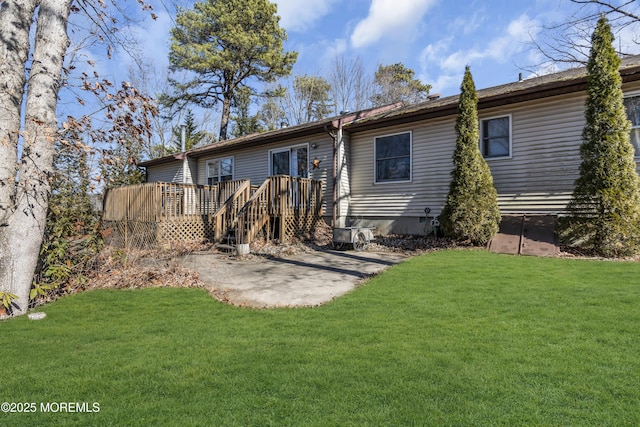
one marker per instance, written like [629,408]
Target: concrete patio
[302,280]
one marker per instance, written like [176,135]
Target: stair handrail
[254,213]
[227,215]
[279,195]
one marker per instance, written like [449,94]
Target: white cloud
[334,49]
[467,25]
[297,16]
[444,81]
[500,49]
[391,19]
[438,59]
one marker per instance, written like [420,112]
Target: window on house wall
[496,137]
[293,161]
[219,170]
[632,105]
[393,158]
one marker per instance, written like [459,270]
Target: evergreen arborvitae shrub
[471,212]
[604,213]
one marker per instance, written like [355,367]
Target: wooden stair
[248,210]
[226,218]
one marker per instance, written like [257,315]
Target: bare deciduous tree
[31,78]
[569,42]
[307,99]
[350,87]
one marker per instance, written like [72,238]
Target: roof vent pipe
[183,138]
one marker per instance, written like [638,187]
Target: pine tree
[244,123]
[471,212]
[119,164]
[395,83]
[604,213]
[193,137]
[225,44]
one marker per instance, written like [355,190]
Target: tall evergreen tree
[225,43]
[395,83]
[193,136]
[244,123]
[604,213]
[471,211]
[119,163]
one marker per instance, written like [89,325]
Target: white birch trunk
[22,234]
[15,21]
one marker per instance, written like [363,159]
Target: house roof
[255,139]
[568,81]
[246,141]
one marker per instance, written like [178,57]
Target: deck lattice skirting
[152,214]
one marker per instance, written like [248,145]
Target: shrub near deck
[448,338]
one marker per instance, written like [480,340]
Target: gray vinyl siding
[253,163]
[546,136]
[166,172]
[432,147]
[539,176]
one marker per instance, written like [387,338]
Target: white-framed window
[632,105]
[392,158]
[293,161]
[219,170]
[495,139]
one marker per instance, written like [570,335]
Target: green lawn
[448,338]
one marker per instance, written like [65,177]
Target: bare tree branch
[568,42]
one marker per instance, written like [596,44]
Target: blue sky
[436,38]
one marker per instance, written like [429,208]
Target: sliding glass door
[293,161]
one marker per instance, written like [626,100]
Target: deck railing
[294,196]
[279,196]
[158,201]
[161,211]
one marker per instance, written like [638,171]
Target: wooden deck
[154,213]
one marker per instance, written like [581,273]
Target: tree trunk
[22,234]
[15,21]
[224,120]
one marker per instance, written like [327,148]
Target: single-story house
[390,167]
